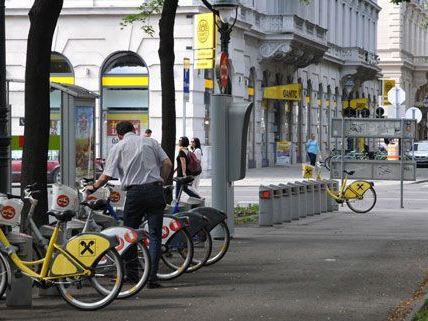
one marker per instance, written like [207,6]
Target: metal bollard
[303,200]
[317,198]
[277,211]
[265,206]
[286,203]
[20,292]
[309,197]
[324,196]
[295,195]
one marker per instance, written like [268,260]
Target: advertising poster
[140,122]
[85,141]
[283,148]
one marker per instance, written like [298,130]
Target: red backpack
[194,165]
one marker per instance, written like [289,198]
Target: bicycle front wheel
[177,255]
[363,204]
[141,271]
[221,239]
[98,290]
[4,276]
[202,246]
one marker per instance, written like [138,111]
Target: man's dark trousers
[145,201]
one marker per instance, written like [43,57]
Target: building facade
[299,64]
[403,52]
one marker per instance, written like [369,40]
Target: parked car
[420,150]
[52,166]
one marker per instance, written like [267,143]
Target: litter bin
[286,203]
[277,211]
[20,293]
[295,201]
[265,206]
[323,196]
[309,197]
[302,200]
[317,197]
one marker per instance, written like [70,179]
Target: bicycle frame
[339,195]
[24,266]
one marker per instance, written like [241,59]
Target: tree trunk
[43,18]
[167,57]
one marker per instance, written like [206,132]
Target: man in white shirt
[142,166]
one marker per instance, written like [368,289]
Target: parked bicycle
[84,265]
[360,196]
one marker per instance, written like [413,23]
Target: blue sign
[186,81]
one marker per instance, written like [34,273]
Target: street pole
[4,109]
[186,90]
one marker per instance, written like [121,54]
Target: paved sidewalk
[291,173]
[331,267]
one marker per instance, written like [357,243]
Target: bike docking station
[389,169]
[284,203]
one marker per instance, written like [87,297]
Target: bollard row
[284,203]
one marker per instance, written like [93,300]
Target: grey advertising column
[222,190]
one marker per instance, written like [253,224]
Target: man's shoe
[153,285]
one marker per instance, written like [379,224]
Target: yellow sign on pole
[284,92]
[358,103]
[204,64]
[388,84]
[205,31]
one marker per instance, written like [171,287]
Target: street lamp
[4,109]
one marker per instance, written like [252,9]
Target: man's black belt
[146,184]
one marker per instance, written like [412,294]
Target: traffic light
[238,121]
[380,112]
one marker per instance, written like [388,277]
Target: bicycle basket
[10,211]
[64,198]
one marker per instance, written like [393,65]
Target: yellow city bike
[360,196]
[87,269]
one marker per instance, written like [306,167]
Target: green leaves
[145,11]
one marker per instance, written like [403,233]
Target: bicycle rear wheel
[202,247]
[363,204]
[177,255]
[221,239]
[84,292]
[4,276]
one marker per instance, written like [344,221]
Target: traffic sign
[414,113]
[396,95]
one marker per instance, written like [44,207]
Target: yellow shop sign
[284,92]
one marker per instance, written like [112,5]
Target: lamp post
[4,109]
[222,187]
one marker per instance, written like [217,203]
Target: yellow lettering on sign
[358,103]
[204,54]
[284,92]
[204,64]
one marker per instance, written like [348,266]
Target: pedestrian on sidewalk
[312,148]
[148,132]
[142,166]
[196,148]
[182,167]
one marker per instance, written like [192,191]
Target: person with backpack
[183,166]
[195,147]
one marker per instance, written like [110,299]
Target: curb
[420,182]
[416,308]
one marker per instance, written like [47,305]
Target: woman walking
[182,166]
[195,147]
[312,148]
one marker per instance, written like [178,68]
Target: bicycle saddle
[184,180]
[96,205]
[65,216]
[350,173]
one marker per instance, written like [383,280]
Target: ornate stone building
[317,49]
[403,52]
